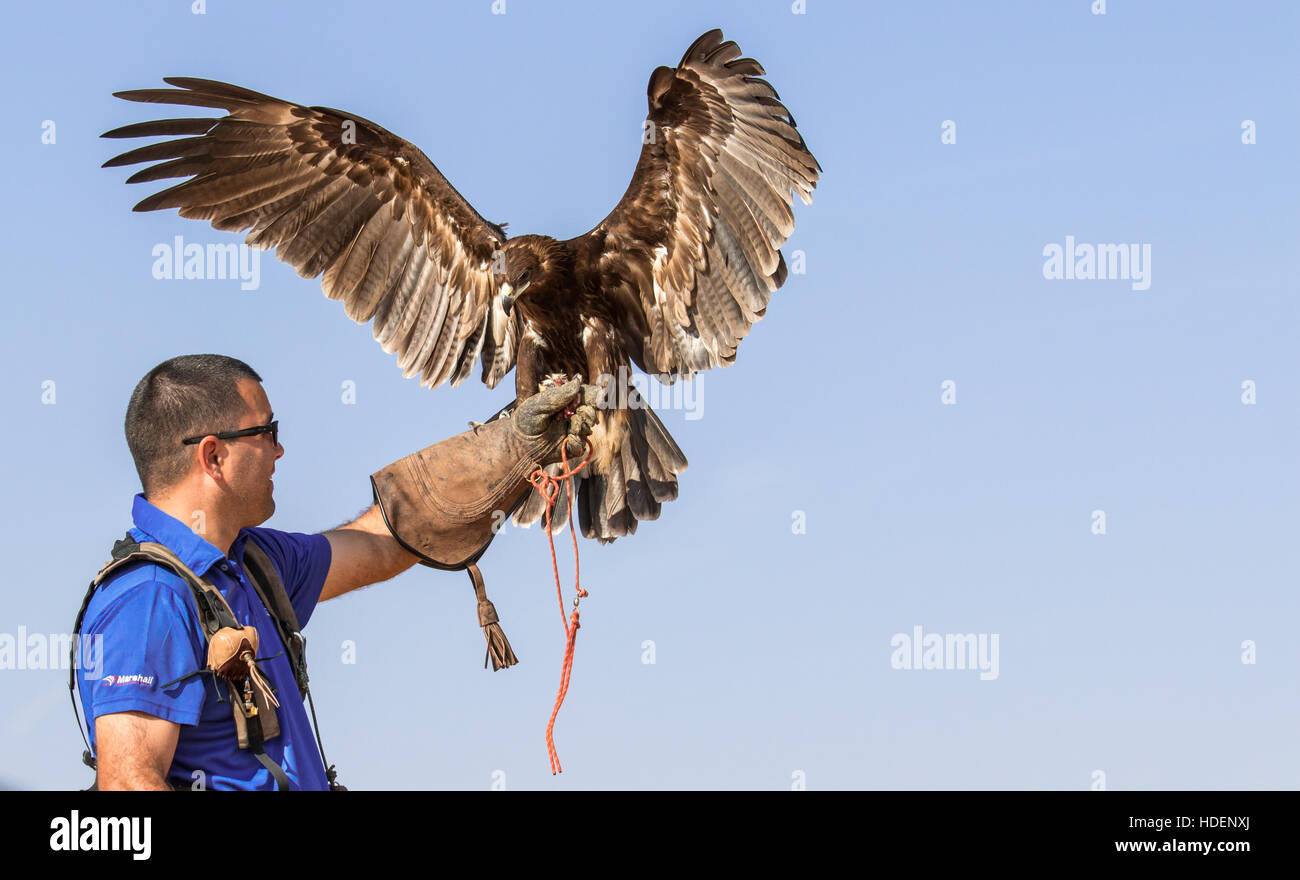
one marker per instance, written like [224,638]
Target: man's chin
[267,511]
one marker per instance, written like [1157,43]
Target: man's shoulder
[301,560]
[142,583]
[295,554]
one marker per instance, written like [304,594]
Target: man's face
[252,459]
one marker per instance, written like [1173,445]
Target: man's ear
[210,457]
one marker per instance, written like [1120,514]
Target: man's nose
[279,450]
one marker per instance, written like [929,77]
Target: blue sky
[1119,652]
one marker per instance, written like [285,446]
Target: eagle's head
[533,268]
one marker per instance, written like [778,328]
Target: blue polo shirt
[151,636]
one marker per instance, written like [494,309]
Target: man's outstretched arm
[363,552]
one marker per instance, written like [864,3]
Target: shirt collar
[197,554]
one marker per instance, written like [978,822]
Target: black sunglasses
[272,428]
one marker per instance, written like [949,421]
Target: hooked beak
[509,295]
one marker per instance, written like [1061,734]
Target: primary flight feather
[672,280]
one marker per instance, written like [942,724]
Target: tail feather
[590,492]
[636,482]
[639,498]
[664,458]
[601,514]
[533,508]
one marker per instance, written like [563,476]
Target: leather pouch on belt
[445,503]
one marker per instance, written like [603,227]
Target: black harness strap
[264,577]
[86,758]
[256,748]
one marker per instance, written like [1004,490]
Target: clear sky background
[1120,653]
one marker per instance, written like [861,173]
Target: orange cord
[549,487]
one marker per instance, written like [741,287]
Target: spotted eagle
[672,280]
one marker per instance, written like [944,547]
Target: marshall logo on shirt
[110,680]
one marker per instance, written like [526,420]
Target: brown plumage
[672,280]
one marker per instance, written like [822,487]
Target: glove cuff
[446,502]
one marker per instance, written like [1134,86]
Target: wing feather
[500,343]
[698,233]
[339,197]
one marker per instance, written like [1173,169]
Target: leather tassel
[498,646]
[231,654]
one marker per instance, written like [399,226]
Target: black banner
[1037,827]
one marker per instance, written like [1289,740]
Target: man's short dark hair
[186,396]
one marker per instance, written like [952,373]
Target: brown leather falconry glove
[446,502]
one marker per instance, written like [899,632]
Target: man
[205,442]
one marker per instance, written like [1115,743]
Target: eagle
[671,280]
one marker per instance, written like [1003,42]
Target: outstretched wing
[341,197]
[696,237]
